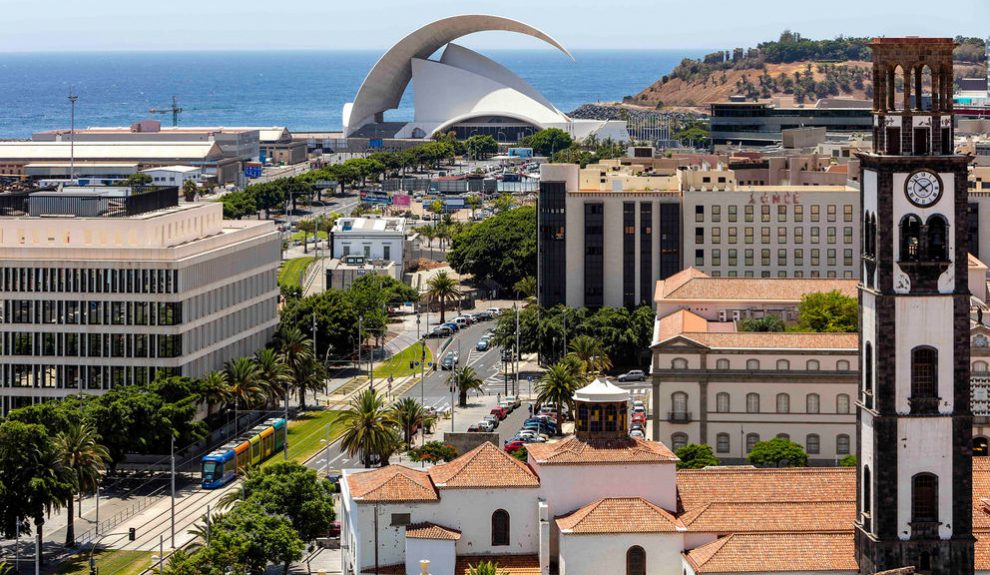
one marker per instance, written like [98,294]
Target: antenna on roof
[175,110]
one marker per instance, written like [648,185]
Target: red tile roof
[775,340]
[512,564]
[693,285]
[697,488]
[762,553]
[572,451]
[619,515]
[431,531]
[482,467]
[760,517]
[392,483]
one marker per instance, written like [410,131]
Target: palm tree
[474,202]
[526,286]
[366,427]
[297,354]
[82,454]
[442,288]
[214,390]
[486,568]
[430,233]
[557,386]
[466,379]
[201,531]
[273,374]
[242,373]
[6,569]
[590,354]
[407,413]
[51,486]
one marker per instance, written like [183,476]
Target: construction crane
[175,110]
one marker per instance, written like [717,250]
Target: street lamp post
[173,488]
[326,444]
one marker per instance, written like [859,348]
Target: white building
[375,239]
[599,502]
[173,175]
[100,290]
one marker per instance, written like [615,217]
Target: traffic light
[131,534]
[412,364]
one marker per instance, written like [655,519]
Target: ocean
[302,90]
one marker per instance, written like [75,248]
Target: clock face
[923,188]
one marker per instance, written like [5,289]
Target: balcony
[924,529]
[924,405]
[679,417]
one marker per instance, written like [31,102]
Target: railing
[105,526]
[140,201]
[678,417]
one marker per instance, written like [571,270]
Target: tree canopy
[778,452]
[828,312]
[295,491]
[548,141]
[695,456]
[501,249]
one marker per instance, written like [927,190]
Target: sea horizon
[301,89]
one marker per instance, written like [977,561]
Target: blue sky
[63,25]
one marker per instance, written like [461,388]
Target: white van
[461,321]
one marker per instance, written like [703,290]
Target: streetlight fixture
[326,446]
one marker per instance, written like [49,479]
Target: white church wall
[440,553]
[470,511]
[597,554]
[922,448]
[935,313]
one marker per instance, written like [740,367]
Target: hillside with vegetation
[792,68]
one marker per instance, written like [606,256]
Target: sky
[98,25]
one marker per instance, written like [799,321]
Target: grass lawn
[299,236]
[293,270]
[398,365]
[108,562]
[305,433]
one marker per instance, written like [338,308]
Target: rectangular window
[798,213]
[400,519]
[847,213]
[815,260]
[831,234]
[816,213]
[733,259]
[781,235]
[733,216]
[699,235]
[699,213]
[765,235]
[732,235]
[781,257]
[831,258]
[716,257]
[749,213]
[387,252]
[764,213]
[831,212]
[781,213]
[847,257]
[699,257]
[847,235]
[765,257]
[749,261]
[815,235]
[799,235]
[749,235]
[716,214]
[716,235]
[799,257]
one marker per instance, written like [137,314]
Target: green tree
[695,456]
[526,287]
[296,492]
[769,323]
[257,538]
[189,190]
[442,288]
[433,452]
[214,390]
[245,386]
[778,452]
[474,202]
[590,354]
[547,142]
[273,374]
[465,380]
[236,205]
[86,459]
[297,355]
[487,567]
[336,321]
[557,386]
[828,312]
[521,454]
[501,249]
[408,414]
[365,428]
[848,461]
[480,146]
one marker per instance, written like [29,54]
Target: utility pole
[97,509]
[173,490]
[72,136]
[285,448]
[515,386]
[422,385]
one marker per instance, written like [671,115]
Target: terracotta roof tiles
[760,517]
[572,451]
[699,487]
[431,531]
[483,467]
[391,483]
[619,515]
[764,553]
[691,284]
[775,340]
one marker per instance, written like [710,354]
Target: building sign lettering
[774,198]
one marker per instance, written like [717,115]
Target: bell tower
[914,451]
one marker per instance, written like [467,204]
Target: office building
[762,123]
[101,288]
[375,239]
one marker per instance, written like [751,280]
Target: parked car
[543,421]
[638,403]
[539,427]
[462,321]
[514,445]
[639,409]
[486,426]
[451,326]
[474,428]
[483,315]
[440,331]
[638,417]
[508,406]
[499,412]
[515,401]
[491,419]
[495,311]
[482,345]
[637,433]
[334,530]
[633,375]
[449,361]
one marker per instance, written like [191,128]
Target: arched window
[813,444]
[813,403]
[611,417]
[679,402]
[500,528]
[752,364]
[679,363]
[752,403]
[635,561]
[783,365]
[867,490]
[842,365]
[678,440]
[783,403]
[937,239]
[722,404]
[910,238]
[842,444]
[751,440]
[842,403]
[813,365]
[722,364]
[924,373]
[722,444]
[924,497]
[786,436]
[980,366]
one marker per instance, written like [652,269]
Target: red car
[514,445]
[499,412]
[638,417]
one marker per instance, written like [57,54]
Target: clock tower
[914,451]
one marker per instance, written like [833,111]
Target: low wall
[464,442]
